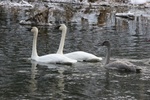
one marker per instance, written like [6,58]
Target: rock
[41,18]
[126,15]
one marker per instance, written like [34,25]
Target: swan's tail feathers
[100,59]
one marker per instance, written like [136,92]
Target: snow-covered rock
[128,15]
[15,4]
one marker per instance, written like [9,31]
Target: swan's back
[123,66]
[83,56]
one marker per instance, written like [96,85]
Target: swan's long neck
[107,55]
[62,42]
[34,47]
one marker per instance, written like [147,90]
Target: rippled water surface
[24,80]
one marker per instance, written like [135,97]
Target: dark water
[25,80]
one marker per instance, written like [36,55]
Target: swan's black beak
[105,43]
[57,27]
[28,29]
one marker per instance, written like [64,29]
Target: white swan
[50,58]
[77,55]
[119,65]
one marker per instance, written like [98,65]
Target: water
[24,80]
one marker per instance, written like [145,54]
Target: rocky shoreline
[50,11]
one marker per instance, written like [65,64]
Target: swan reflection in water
[54,88]
[33,81]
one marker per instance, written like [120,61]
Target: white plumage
[77,55]
[50,58]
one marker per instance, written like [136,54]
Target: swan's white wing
[82,56]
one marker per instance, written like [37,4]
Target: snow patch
[22,3]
